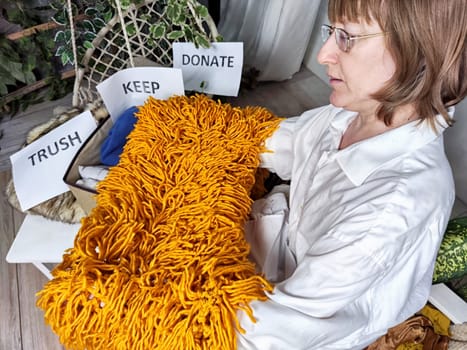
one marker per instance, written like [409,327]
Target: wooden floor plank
[22,324]
[15,128]
[10,327]
[35,333]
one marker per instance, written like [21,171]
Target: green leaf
[188,33]
[63,36]
[89,36]
[4,60]
[61,17]
[29,77]
[6,77]
[102,6]
[91,12]
[60,36]
[29,63]
[145,17]
[99,23]
[157,30]
[15,69]
[125,4]
[80,51]
[88,44]
[175,35]
[181,19]
[201,41]
[130,29]
[67,56]
[3,89]
[107,16]
[201,11]
[219,38]
[67,36]
[59,51]
[173,12]
[88,26]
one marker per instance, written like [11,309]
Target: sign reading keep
[132,87]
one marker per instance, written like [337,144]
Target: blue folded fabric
[113,144]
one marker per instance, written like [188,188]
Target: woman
[351,244]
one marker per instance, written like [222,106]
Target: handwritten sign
[133,86]
[214,70]
[39,167]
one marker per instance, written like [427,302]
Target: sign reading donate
[132,87]
[215,70]
[39,167]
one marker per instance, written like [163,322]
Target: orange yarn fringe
[161,262]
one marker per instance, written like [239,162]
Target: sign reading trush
[38,168]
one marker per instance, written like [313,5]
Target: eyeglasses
[344,40]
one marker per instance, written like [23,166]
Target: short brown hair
[427,39]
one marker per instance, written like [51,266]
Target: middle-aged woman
[351,243]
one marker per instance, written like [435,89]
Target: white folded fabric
[96,172]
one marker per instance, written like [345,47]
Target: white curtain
[275,33]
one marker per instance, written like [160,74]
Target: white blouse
[352,243]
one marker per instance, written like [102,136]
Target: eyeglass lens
[341,39]
[326,32]
[340,36]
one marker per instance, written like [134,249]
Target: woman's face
[360,72]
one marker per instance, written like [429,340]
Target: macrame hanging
[115,48]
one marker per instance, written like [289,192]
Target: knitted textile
[161,262]
[113,144]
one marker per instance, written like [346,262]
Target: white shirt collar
[359,160]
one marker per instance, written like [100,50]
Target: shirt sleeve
[295,134]
[279,146]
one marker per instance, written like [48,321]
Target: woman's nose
[328,52]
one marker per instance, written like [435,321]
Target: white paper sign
[215,70]
[38,168]
[132,87]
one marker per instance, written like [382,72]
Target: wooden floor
[21,322]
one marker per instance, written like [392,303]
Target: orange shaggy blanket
[161,262]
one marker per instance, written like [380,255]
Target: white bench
[40,241]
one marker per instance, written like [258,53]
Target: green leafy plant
[91,16]
[12,68]
[187,16]
[184,19]
[27,62]
[45,55]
